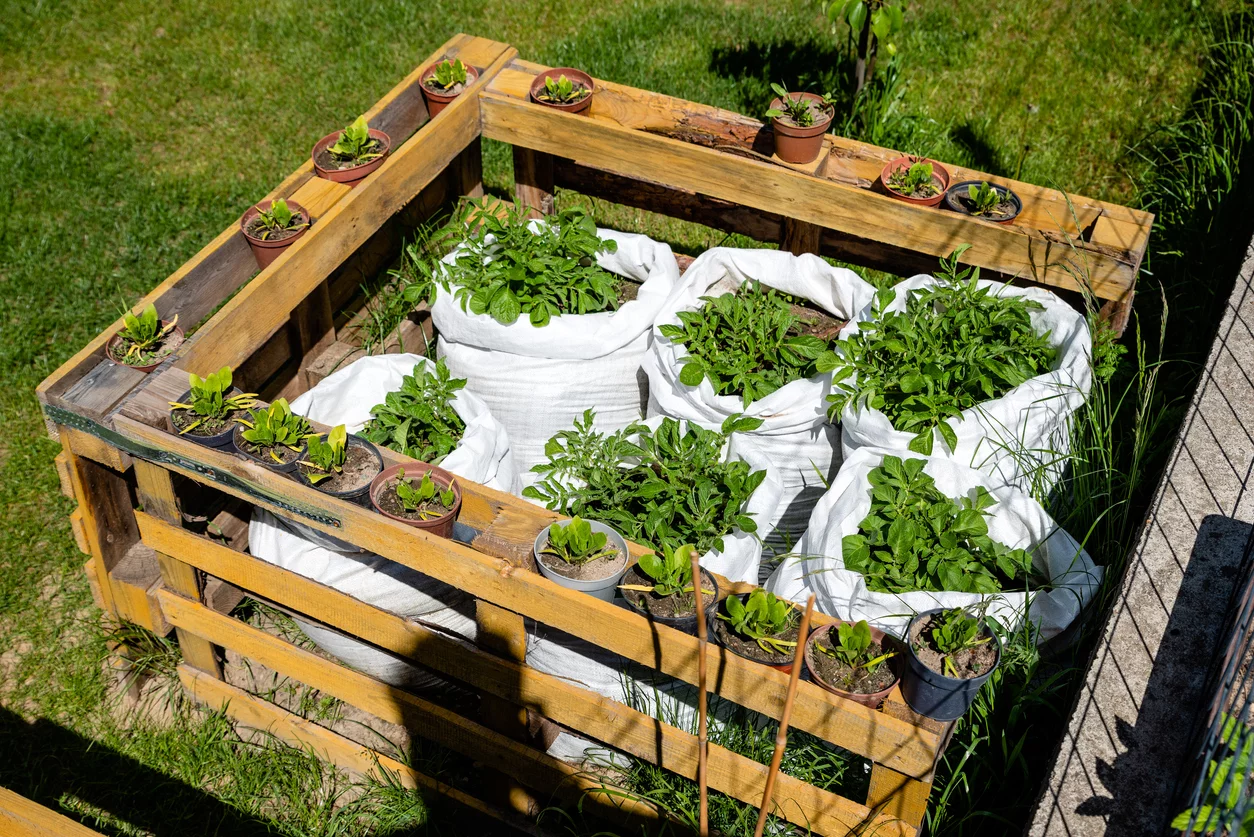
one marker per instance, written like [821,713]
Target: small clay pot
[794,144]
[267,250]
[353,174]
[172,341]
[441,526]
[933,694]
[574,75]
[602,588]
[237,440]
[871,699]
[218,441]
[940,176]
[360,496]
[687,624]
[437,101]
[956,196]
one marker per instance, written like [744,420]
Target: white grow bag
[1017,520]
[537,381]
[801,446]
[1022,436]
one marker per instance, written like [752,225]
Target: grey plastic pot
[933,694]
[602,588]
[237,442]
[360,496]
[218,441]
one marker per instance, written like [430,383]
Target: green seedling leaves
[279,217]
[276,427]
[210,398]
[325,457]
[562,91]
[447,75]
[914,181]
[954,631]
[762,617]
[671,571]
[804,113]
[141,336]
[576,543]
[985,200]
[355,143]
[851,645]
[426,498]
[418,420]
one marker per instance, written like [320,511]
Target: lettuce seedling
[671,570]
[210,398]
[761,618]
[802,112]
[562,91]
[139,336]
[954,631]
[326,458]
[355,143]
[277,218]
[421,497]
[276,427]
[447,75]
[914,181]
[851,645]
[576,543]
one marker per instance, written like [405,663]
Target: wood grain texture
[20,817]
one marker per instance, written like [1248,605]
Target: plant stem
[703,744]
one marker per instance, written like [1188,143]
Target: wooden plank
[857,728]
[87,446]
[533,181]
[78,528]
[585,712]
[133,583]
[97,391]
[62,463]
[93,584]
[20,817]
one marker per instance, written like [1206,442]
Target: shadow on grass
[798,66]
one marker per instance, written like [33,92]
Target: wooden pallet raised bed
[283,328]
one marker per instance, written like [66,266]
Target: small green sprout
[914,181]
[447,75]
[327,457]
[576,543]
[562,91]
[954,631]
[276,427]
[671,572]
[355,143]
[762,618]
[984,199]
[277,218]
[417,498]
[852,647]
[209,398]
[141,335]
[804,113]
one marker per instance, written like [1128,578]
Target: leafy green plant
[210,398]
[418,420]
[1224,807]
[355,143]
[914,181]
[954,631]
[576,543]
[277,218]
[803,112]
[141,335]
[916,538]
[661,488]
[326,457]
[562,91]
[446,75]
[745,343]
[955,346]
[870,23]
[762,618]
[851,645]
[276,427]
[505,269]
[422,497]
[671,571]
[985,200]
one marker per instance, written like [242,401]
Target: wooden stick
[781,737]
[703,744]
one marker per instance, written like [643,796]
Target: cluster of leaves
[505,269]
[562,91]
[210,397]
[916,538]
[423,497]
[762,617]
[669,486]
[745,343]
[954,631]
[326,457]
[1225,804]
[802,112]
[852,646]
[914,181]
[277,218]
[141,335]
[955,346]
[885,19]
[418,420]
[576,543]
[356,144]
[446,75]
[671,571]
[987,200]
[276,427]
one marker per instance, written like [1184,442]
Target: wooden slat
[62,463]
[20,817]
[133,582]
[86,446]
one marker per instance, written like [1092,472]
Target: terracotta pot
[933,694]
[574,75]
[956,193]
[238,443]
[794,144]
[360,496]
[437,101]
[441,526]
[872,700]
[172,340]
[267,250]
[353,174]
[719,626]
[939,173]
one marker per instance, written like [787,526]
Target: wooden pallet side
[20,817]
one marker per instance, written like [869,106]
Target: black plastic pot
[957,194]
[218,441]
[687,624]
[721,629]
[360,496]
[262,460]
[933,694]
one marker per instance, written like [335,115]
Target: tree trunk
[864,53]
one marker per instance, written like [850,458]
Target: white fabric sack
[1022,436]
[1016,520]
[802,447]
[537,381]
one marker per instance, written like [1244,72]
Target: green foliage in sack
[671,571]
[141,336]
[418,420]
[356,144]
[1227,791]
[326,457]
[914,181]
[576,543]
[916,538]
[209,398]
[447,75]
[802,112]
[506,270]
[426,498]
[562,91]
[955,346]
[669,486]
[851,645]
[745,342]
[277,218]
[954,631]
[276,427]
[762,618]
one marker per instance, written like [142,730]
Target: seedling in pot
[984,200]
[853,647]
[802,112]
[426,499]
[562,91]
[210,403]
[671,571]
[277,220]
[447,75]
[325,458]
[141,337]
[915,181]
[763,618]
[275,432]
[576,543]
[953,632]
[355,144]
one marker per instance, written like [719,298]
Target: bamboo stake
[703,744]
[781,737]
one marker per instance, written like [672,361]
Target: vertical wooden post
[466,172]
[504,633]
[156,493]
[533,181]
[313,329]
[895,793]
[799,237]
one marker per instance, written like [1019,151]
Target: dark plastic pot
[933,694]
[173,340]
[437,101]
[282,468]
[602,588]
[360,496]
[574,75]
[794,144]
[687,624]
[871,699]
[719,628]
[441,526]
[956,193]
[939,173]
[265,250]
[353,174]
[218,441]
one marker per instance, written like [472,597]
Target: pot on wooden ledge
[958,199]
[113,349]
[216,435]
[385,482]
[338,486]
[437,100]
[350,175]
[576,76]
[815,662]
[598,578]
[749,649]
[928,691]
[285,464]
[266,250]
[940,179]
[796,143]
[667,610]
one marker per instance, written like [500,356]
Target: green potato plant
[576,543]
[745,343]
[210,398]
[421,497]
[325,458]
[276,427]
[355,143]
[954,631]
[914,181]
[804,113]
[916,538]
[956,345]
[851,645]
[277,218]
[762,618]
[671,570]
[562,91]
[447,75]
[141,335]
[418,420]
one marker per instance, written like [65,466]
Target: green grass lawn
[131,133]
